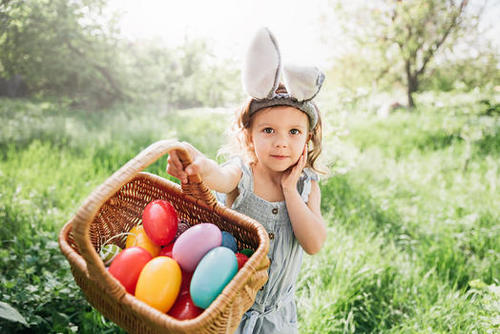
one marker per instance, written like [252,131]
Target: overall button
[275,211]
[271,235]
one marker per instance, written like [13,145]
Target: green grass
[413,226]
[411,205]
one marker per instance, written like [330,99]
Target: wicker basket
[117,205]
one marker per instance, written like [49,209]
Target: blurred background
[411,106]
[96,53]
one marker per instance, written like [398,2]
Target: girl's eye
[268,130]
[294,131]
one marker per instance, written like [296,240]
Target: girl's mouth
[279,157]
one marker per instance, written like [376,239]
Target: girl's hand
[198,166]
[291,176]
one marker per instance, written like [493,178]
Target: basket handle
[195,185]
[87,212]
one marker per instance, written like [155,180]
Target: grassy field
[411,203]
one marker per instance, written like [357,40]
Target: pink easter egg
[194,243]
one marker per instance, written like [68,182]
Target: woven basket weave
[117,205]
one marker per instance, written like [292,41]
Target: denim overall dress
[274,310]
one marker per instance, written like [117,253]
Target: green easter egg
[247,251]
[108,253]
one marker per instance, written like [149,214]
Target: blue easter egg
[229,241]
[212,274]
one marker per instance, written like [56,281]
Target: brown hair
[242,145]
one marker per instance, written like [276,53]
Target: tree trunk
[410,90]
[412,83]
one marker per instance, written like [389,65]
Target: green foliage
[7,312]
[411,208]
[38,283]
[72,50]
[185,77]
[61,48]
[463,74]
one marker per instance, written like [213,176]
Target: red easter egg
[186,281]
[242,259]
[127,266]
[167,250]
[184,308]
[160,222]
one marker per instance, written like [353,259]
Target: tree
[61,47]
[183,77]
[72,49]
[404,36]
[420,29]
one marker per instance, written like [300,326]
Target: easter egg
[212,274]
[159,283]
[247,251]
[229,241]
[186,282]
[193,244]
[160,221]
[167,250]
[108,253]
[127,266]
[242,259]
[139,238]
[184,308]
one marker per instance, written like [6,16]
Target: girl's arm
[308,224]
[222,179]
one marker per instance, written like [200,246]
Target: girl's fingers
[302,161]
[297,169]
[174,167]
[173,159]
[176,173]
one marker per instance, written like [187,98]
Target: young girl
[272,180]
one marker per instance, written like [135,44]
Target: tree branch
[101,69]
[434,47]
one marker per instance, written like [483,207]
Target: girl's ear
[309,142]
[248,137]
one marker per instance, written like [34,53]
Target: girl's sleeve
[307,177]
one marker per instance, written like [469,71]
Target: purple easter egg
[194,243]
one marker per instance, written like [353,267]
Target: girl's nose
[280,141]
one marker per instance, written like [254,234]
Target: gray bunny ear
[262,66]
[302,82]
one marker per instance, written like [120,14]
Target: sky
[228,25]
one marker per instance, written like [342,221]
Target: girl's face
[279,135]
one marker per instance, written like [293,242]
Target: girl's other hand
[174,164]
[291,176]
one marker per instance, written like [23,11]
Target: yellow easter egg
[159,283]
[138,237]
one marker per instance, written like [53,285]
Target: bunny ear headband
[261,76]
